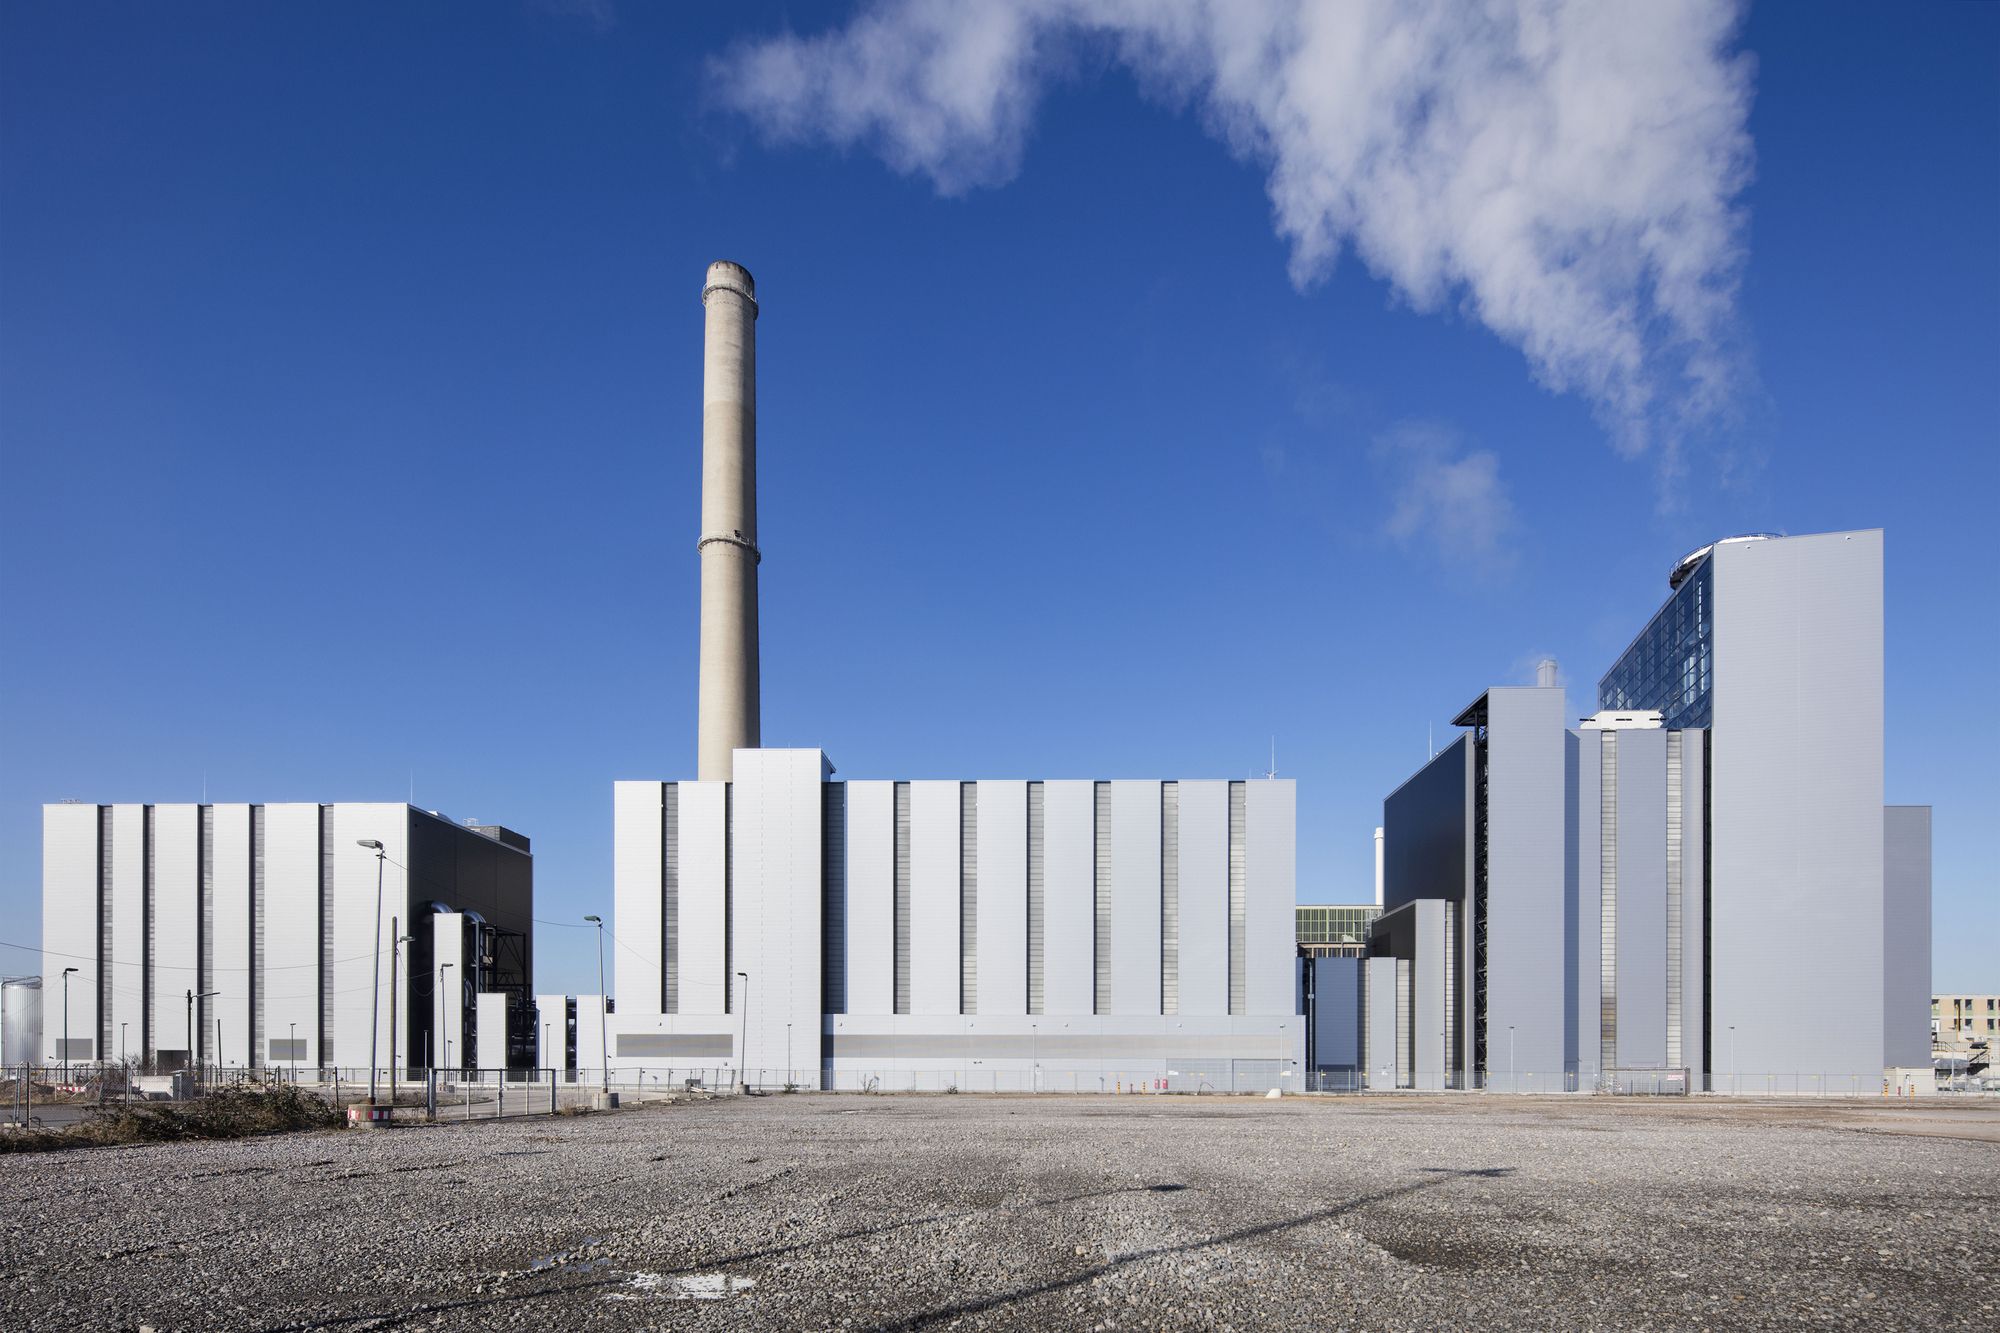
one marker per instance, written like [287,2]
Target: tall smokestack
[1545,673]
[727,717]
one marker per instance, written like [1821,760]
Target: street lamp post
[375,996]
[788,1052]
[444,1019]
[292,1045]
[191,998]
[65,1040]
[743,1045]
[396,943]
[1735,1078]
[603,1008]
[121,1042]
[1513,1084]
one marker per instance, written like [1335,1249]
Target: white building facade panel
[1003,898]
[871,897]
[176,932]
[1271,893]
[1069,897]
[701,949]
[69,933]
[127,964]
[1204,898]
[935,825]
[291,934]
[490,1035]
[777,908]
[232,951]
[639,966]
[360,953]
[1135,898]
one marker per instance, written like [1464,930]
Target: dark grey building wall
[1336,1013]
[1424,829]
[1797,799]
[1642,899]
[1906,936]
[1527,883]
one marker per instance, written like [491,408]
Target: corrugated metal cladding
[833,901]
[1101,900]
[1454,1061]
[205,943]
[256,987]
[1674,923]
[105,956]
[1406,1005]
[902,898]
[1035,905]
[327,1055]
[1238,887]
[149,1019]
[670,898]
[1607,853]
[968,897]
[1170,897]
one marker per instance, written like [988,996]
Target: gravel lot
[918,1212]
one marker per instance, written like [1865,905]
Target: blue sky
[349,398]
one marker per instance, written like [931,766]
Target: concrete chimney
[1378,867]
[727,710]
[1545,672]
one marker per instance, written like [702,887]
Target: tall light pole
[191,998]
[603,1008]
[65,1040]
[375,996]
[444,1024]
[1513,1084]
[396,943]
[743,1049]
[292,1045]
[121,1042]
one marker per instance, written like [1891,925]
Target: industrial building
[1648,899]
[245,936]
[776,922]
[1643,899]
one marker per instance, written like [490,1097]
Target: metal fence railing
[55,1095]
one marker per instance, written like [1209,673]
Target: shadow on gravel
[1439,1176]
[423,1311]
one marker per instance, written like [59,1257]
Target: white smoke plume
[1565,171]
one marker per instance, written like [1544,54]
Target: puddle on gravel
[571,1261]
[689,1287]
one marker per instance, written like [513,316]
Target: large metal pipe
[727,707]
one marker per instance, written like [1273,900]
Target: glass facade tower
[1670,667]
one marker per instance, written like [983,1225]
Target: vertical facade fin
[833,903]
[902,899]
[1674,920]
[1607,870]
[670,898]
[105,958]
[257,987]
[149,1021]
[327,1054]
[205,926]
[1170,897]
[968,897]
[1036,912]
[1100,969]
[1238,885]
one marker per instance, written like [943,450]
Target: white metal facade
[986,994]
[264,914]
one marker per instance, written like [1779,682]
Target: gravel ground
[1086,1213]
